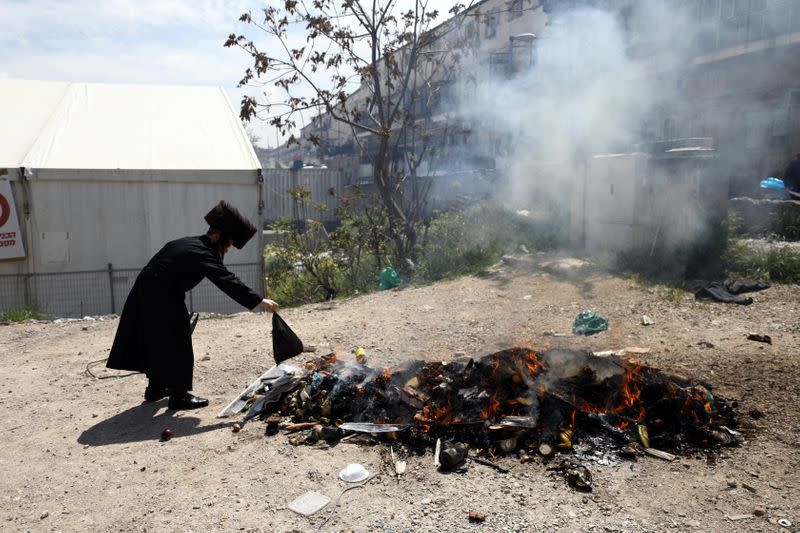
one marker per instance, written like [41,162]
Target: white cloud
[23,20]
[170,42]
[131,41]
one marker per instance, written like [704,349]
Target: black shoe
[185,400]
[153,393]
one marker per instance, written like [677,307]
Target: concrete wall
[640,202]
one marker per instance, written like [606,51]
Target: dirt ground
[81,453]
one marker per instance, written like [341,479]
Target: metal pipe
[111,287]
[27,235]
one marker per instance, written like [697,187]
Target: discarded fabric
[589,323]
[759,338]
[729,291]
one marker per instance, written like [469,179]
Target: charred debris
[516,401]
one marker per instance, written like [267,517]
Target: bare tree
[366,64]
[254,137]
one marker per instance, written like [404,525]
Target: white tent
[106,174]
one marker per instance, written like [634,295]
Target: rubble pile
[513,400]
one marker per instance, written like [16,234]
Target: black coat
[153,335]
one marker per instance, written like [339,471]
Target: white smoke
[597,80]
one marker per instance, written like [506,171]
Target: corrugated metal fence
[103,292]
[326,187]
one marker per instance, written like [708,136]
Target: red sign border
[5,210]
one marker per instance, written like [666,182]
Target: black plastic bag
[285,344]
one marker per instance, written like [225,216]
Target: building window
[490,28]
[756,134]
[710,10]
[757,27]
[669,131]
[780,123]
[471,31]
[500,64]
[728,9]
[514,9]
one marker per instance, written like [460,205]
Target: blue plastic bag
[772,183]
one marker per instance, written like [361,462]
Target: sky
[167,42]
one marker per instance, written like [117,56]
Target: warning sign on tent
[11,246]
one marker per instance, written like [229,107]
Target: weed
[20,315]
[466,242]
[771,263]
[674,294]
[787,223]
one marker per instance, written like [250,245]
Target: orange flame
[571,424]
[496,366]
[434,413]
[631,393]
[534,364]
[491,409]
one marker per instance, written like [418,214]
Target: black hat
[227,219]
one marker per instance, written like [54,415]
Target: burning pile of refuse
[513,400]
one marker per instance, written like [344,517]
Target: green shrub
[467,242]
[771,263]
[674,294]
[787,223]
[702,258]
[20,315]
[309,265]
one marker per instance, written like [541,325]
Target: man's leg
[155,390]
[182,366]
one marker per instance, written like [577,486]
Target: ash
[516,400]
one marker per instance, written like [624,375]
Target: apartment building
[495,37]
[737,84]
[742,87]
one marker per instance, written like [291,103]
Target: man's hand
[269,305]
